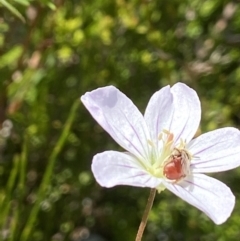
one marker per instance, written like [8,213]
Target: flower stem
[145,214]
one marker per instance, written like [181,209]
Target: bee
[177,167]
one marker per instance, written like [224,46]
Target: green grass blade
[10,184]
[14,223]
[12,9]
[48,173]
[23,164]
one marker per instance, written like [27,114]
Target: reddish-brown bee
[178,165]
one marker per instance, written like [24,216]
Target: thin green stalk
[5,207]
[23,166]
[12,9]
[13,175]
[145,214]
[14,223]
[48,173]
[14,227]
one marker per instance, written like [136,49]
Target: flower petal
[158,114]
[209,195]
[113,168]
[216,151]
[116,113]
[187,112]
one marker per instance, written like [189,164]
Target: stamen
[182,144]
[166,131]
[160,136]
[150,143]
[170,137]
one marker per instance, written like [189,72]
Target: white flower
[160,150]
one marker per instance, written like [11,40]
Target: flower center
[178,165]
[171,162]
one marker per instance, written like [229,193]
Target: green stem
[145,214]
[48,173]
[6,204]
[23,167]
[14,223]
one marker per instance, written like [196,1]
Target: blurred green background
[52,52]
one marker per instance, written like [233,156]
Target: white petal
[216,151]
[116,113]
[158,114]
[187,112]
[113,168]
[209,195]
